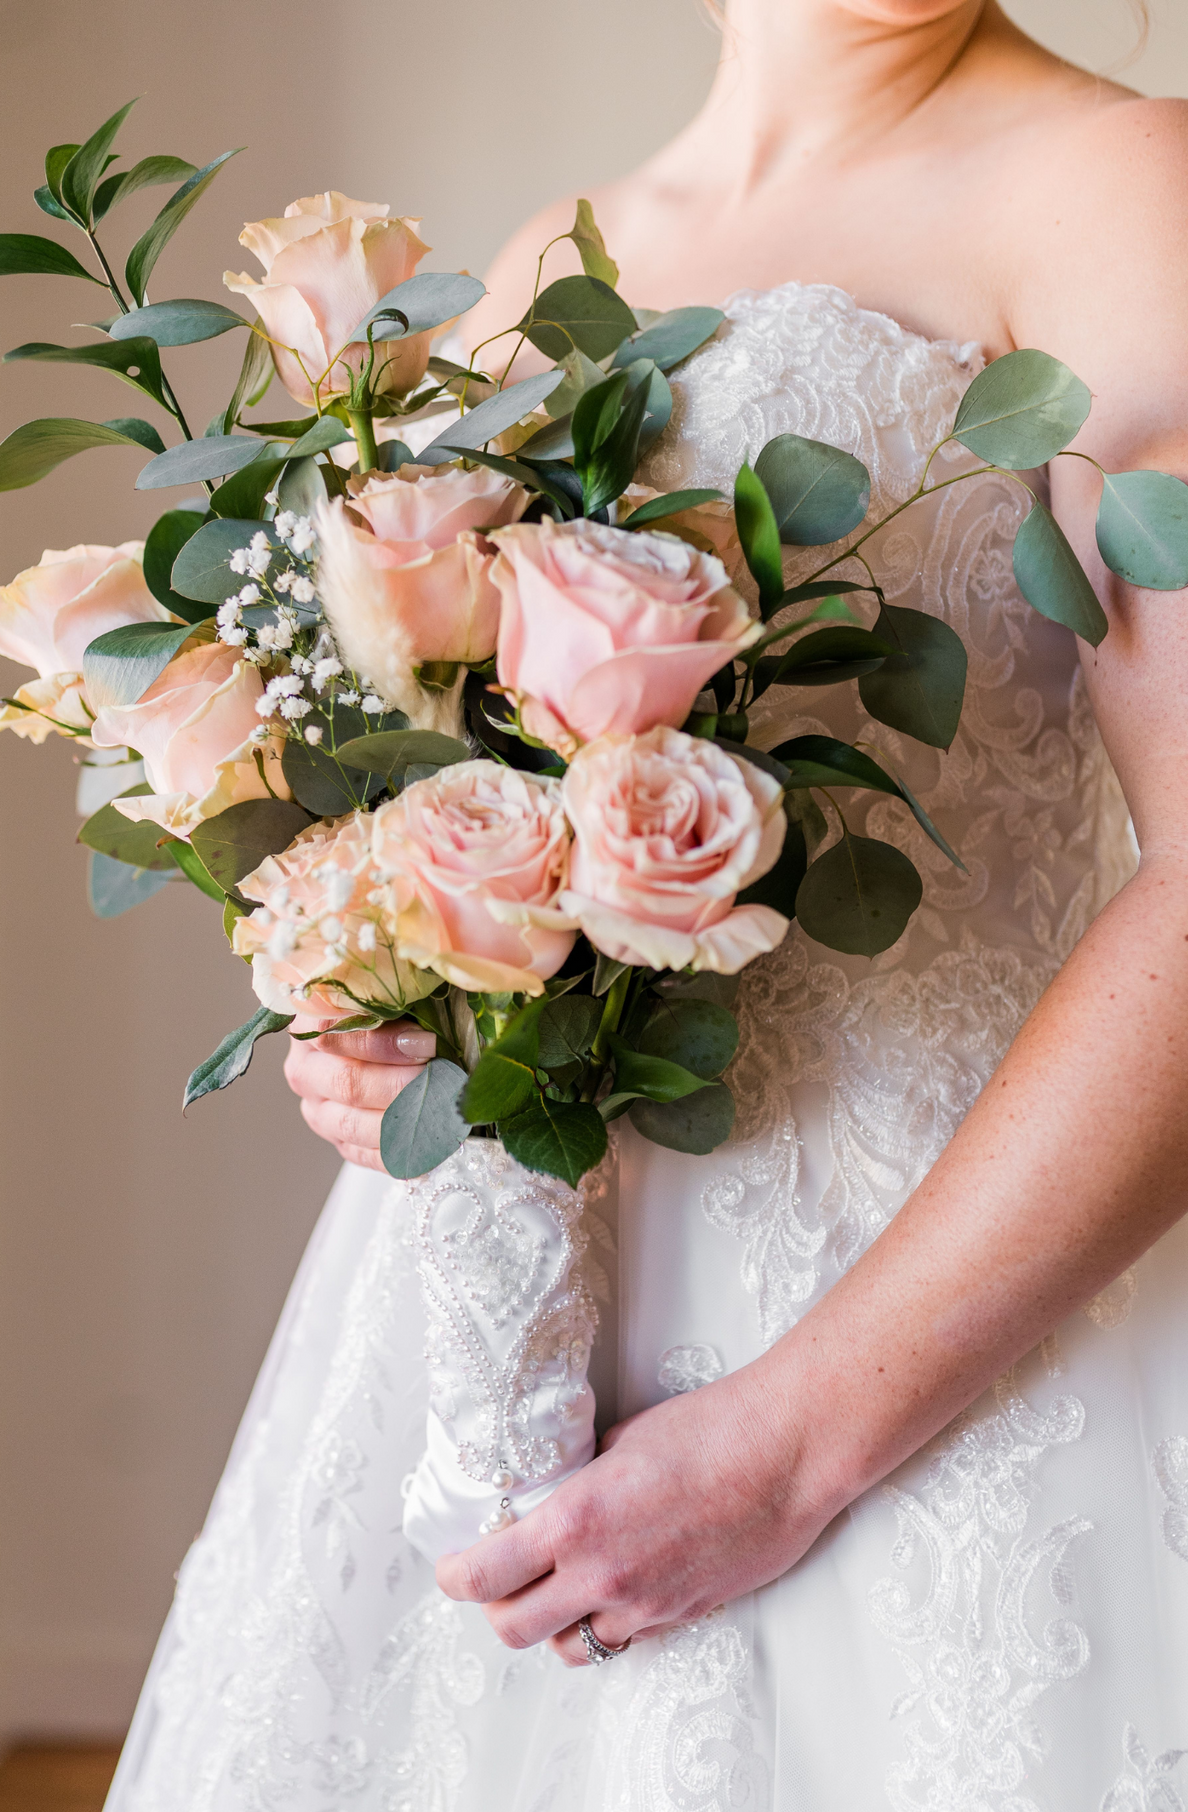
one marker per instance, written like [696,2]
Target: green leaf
[1022,410]
[819,494]
[166,539]
[606,973]
[56,160]
[779,886]
[200,569]
[672,338]
[529,476]
[659,409]
[671,504]
[392,454]
[325,433]
[119,667]
[606,436]
[28,253]
[195,870]
[301,487]
[426,300]
[234,1055]
[581,312]
[596,260]
[568,1027]
[859,896]
[113,887]
[387,752]
[698,1034]
[80,177]
[1053,580]
[920,687]
[759,534]
[255,375]
[234,843]
[821,588]
[823,761]
[48,205]
[137,361]
[150,245]
[240,498]
[581,374]
[698,1124]
[321,783]
[121,840]
[489,419]
[133,428]
[36,448]
[825,657]
[422,1127]
[1142,529]
[929,828]
[177,323]
[505,1075]
[560,1140]
[192,461]
[147,174]
[637,1073]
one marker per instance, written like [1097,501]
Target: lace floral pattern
[1144,1785]
[1169,1463]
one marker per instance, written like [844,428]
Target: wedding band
[597,1652]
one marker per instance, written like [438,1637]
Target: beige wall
[142,1257]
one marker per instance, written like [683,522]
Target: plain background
[143,1257]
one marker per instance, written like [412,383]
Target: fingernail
[418,1047]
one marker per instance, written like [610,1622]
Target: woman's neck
[802,80]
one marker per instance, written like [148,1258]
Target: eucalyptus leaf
[233,1055]
[149,173]
[119,667]
[165,541]
[700,1035]
[182,323]
[321,783]
[578,311]
[672,338]
[148,248]
[193,461]
[428,299]
[698,1124]
[824,761]
[596,260]
[556,1138]
[818,493]
[37,447]
[859,896]
[1053,580]
[823,657]
[920,687]
[422,1127]
[492,418]
[200,570]
[196,871]
[29,254]
[759,535]
[241,498]
[125,840]
[301,487]
[581,374]
[388,751]
[235,842]
[137,361]
[1142,529]
[325,433]
[658,412]
[392,454]
[1022,410]
[113,887]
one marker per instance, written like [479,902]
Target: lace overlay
[1012,1597]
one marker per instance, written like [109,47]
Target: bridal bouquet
[462,734]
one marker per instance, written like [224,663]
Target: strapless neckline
[963,353]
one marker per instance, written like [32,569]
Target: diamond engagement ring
[597,1652]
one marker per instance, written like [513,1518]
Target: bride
[895,1509]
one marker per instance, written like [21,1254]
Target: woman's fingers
[498,1565]
[312,1071]
[401,1042]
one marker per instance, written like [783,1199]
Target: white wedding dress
[1003,1625]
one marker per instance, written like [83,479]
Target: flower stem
[363,429]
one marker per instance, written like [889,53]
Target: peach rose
[608,631]
[326,264]
[708,526]
[404,576]
[318,935]
[476,857]
[49,615]
[193,729]
[667,829]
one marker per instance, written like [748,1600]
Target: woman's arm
[1071,1163]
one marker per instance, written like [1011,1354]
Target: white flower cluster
[253,562]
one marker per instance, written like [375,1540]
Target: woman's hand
[687,1505]
[347,1079]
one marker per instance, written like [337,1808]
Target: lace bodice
[1026,794]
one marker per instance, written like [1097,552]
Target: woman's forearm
[1069,1166]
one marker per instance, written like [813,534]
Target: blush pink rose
[318,936]
[192,728]
[326,264]
[475,858]
[606,631]
[404,576]
[48,616]
[667,829]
